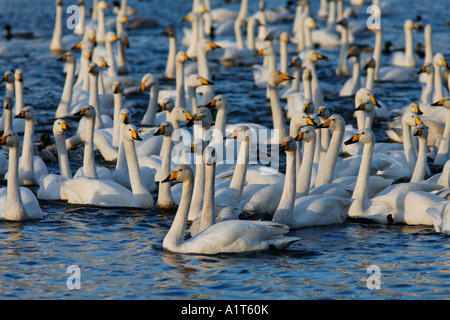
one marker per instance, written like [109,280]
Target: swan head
[370,63]
[308,106]
[363,136]
[442,103]
[181,173]
[239,133]
[8,103]
[59,3]
[18,75]
[125,115]
[169,32]
[410,25]
[288,144]
[364,94]
[117,87]
[323,112]
[267,51]
[218,102]
[101,62]
[411,119]
[296,62]
[164,129]
[421,131]
[209,155]
[10,139]
[93,69]
[102,5]
[180,114]
[196,81]
[284,37]
[439,59]
[310,23]
[203,116]
[415,107]
[166,104]
[334,122]
[276,77]
[314,56]
[353,52]
[8,77]
[68,57]
[191,17]
[182,57]
[427,68]
[111,37]
[148,80]
[60,127]
[87,111]
[306,134]
[207,45]
[130,133]
[26,113]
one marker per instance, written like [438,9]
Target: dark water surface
[119,252]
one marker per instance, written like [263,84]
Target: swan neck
[63,158]
[240,172]
[181,95]
[93,100]
[15,209]
[208,216]
[361,191]
[112,70]
[116,119]
[420,168]
[289,189]
[89,156]
[306,168]
[152,107]
[377,52]
[137,185]
[279,122]
[66,98]
[164,192]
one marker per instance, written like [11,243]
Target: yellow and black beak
[189,117]
[214,45]
[418,132]
[353,139]
[82,112]
[62,58]
[417,120]
[206,82]
[65,127]
[143,86]
[325,124]
[416,109]
[300,136]
[104,64]
[161,130]
[212,104]
[21,115]
[172,176]
[3,140]
[284,146]
[260,52]
[5,78]
[321,56]
[286,77]
[162,106]
[374,101]
[125,118]
[135,135]
[116,88]
[439,103]
[422,70]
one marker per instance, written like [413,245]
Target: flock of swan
[334,170]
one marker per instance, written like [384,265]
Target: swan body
[233,236]
[16,203]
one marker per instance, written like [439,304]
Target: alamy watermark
[374,21]
[74,280]
[73,21]
[373,282]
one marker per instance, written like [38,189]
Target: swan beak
[260,52]
[77,46]
[4,78]
[417,120]
[126,42]
[361,107]
[286,77]
[285,146]
[82,112]
[353,139]
[20,115]
[321,56]
[89,55]
[417,110]
[372,98]
[143,86]
[212,104]
[173,176]
[65,127]
[423,69]
[125,118]
[3,140]
[62,58]
[115,38]
[325,124]
[162,106]
[91,69]
[310,122]
[104,64]
[300,136]
[439,103]
[321,113]
[214,45]
[186,58]
[189,117]
[206,82]
[135,135]
[161,130]
[116,88]
[418,132]
[125,19]
[314,25]
[444,63]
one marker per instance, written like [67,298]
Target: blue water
[119,252]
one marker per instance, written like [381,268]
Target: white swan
[438,63]
[310,60]
[406,59]
[421,132]
[295,100]
[232,236]
[306,211]
[342,68]
[426,96]
[56,43]
[64,106]
[392,206]
[441,218]
[352,85]
[106,193]
[49,188]
[444,147]
[169,71]
[16,203]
